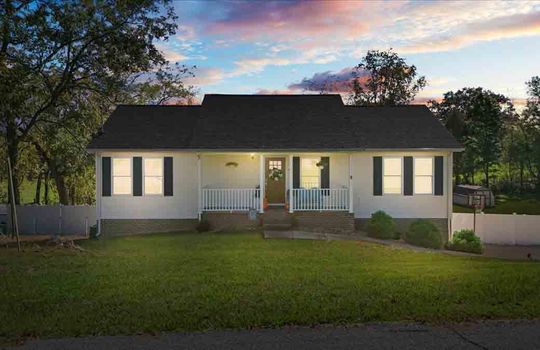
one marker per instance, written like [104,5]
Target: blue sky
[271,47]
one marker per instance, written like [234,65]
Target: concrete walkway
[485,335]
[490,250]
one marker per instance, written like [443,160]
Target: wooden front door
[275,189]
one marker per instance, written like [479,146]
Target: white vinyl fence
[501,228]
[54,219]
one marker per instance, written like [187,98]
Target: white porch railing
[320,199]
[230,199]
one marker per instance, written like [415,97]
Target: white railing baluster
[244,199]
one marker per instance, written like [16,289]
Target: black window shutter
[439,176]
[408,176]
[168,176]
[137,176]
[106,176]
[325,172]
[377,176]
[296,172]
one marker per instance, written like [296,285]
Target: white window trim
[162,177]
[401,177]
[319,177]
[432,176]
[130,176]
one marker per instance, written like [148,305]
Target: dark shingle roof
[273,122]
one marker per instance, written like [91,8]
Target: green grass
[28,192]
[214,281]
[526,204]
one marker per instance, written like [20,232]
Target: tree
[484,116]
[530,127]
[390,80]
[49,49]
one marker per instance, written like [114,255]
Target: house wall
[182,205]
[396,205]
[215,174]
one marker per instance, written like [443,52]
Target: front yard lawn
[213,281]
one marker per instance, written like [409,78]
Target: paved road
[485,335]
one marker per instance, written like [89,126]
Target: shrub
[465,241]
[381,225]
[424,233]
[203,226]
[93,232]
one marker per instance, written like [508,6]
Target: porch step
[277,226]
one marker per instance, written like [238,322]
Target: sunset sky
[283,47]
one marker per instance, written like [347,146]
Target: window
[392,175]
[274,164]
[121,173]
[423,175]
[310,173]
[153,175]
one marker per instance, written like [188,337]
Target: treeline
[501,144]
[63,67]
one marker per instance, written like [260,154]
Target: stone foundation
[325,221]
[402,225]
[124,227]
[235,221]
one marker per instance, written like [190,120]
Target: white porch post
[261,183]
[290,177]
[98,191]
[449,191]
[199,186]
[351,199]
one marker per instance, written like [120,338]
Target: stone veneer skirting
[402,225]
[123,227]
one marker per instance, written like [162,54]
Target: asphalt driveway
[484,335]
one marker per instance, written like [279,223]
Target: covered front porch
[244,182]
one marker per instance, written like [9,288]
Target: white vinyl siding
[423,175]
[153,175]
[392,175]
[121,176]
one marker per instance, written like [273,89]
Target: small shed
[464,195]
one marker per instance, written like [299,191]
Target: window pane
[392,184]
[274,164]
[423,184]
[121,185]
[153,184]
[423,166]
[153,167]
[392,166]
[309,172]
[121,167]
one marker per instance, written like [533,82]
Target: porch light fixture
[252,155]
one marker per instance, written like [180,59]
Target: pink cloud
[205,76]
[286,20]
[492,29]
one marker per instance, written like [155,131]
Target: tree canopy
[54,55]
[477,118]
[385,79]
